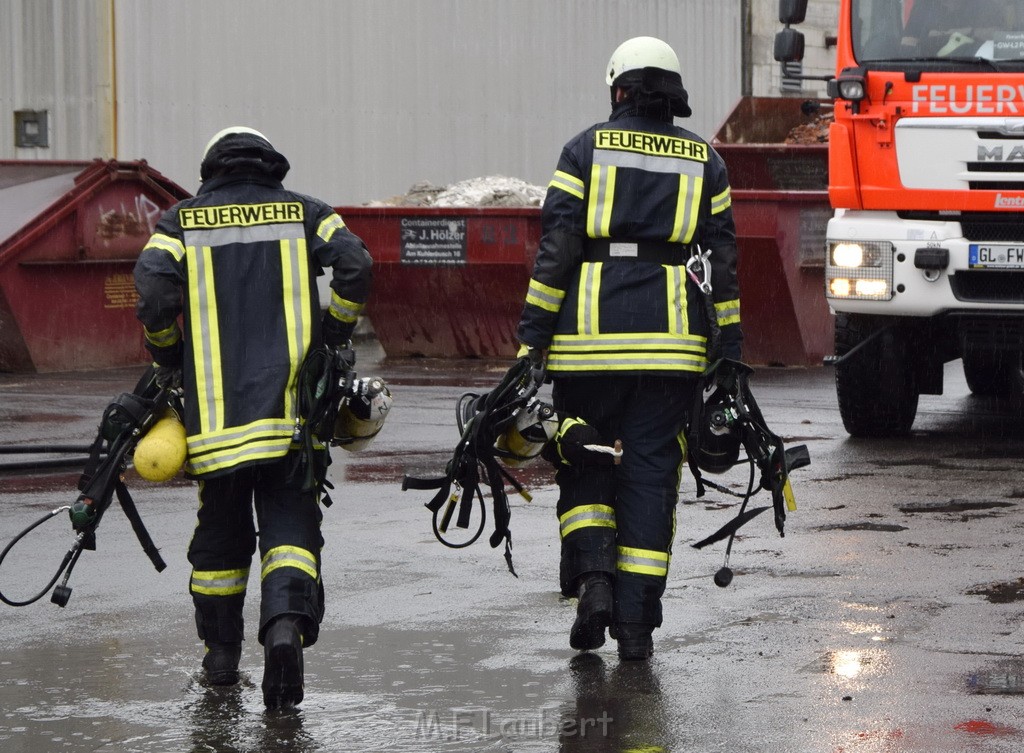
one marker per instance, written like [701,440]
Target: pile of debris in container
[491,191]
[815,132]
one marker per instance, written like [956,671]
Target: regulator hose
[72,553]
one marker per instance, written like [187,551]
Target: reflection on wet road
[887,619]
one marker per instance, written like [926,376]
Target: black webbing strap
[132,513]
[653,252]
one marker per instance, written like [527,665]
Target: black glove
[536,356]
[569,447]
[168,377]
[732,349]
[344,357]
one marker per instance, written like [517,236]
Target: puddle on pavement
[1001,593]
[391,467]
[851,664]
[31,483]
[366,689]
[1003,678]
[880,527]
[956,506]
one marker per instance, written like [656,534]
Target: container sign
[434,241]
[119,291]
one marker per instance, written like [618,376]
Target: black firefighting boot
[636,642]
[221,662]
[593,612]
[282,670]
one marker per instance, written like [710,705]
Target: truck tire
[996,374]
[876,387]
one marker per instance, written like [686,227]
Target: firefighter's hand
[573,445]
[536,356]
[732,349]
[168,377]
[344,357]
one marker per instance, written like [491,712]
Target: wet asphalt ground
[887,619]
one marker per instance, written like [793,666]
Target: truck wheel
[876,387]
[997,374]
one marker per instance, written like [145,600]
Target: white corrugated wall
[365,97]
[55,56]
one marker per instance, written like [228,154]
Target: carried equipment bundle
[125,423]
[336,408]
[508,423]
[724,419]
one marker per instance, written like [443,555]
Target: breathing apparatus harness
[124,422]
[336,408]
[724,418]
[482,422]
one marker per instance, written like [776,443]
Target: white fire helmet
[641,52]
[362,414]
[228,132]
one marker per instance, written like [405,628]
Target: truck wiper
[987,63]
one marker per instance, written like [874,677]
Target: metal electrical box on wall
[70,234]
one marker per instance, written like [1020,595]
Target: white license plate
[997,256]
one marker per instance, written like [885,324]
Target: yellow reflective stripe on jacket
[343,309]
[637,341]
[259,440]
[289,556]
[727,312]
[586,516]
[643,561]
[255,451]
[630,361]
[722,201]
[204,333]
[330,226]
[568,183]
[687,208]
[588,311]
[166,243]
[265,428]
[544,296]
[602,196]
[678,320]
[297,302]
[163,338]
[219,582]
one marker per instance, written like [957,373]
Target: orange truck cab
[925,251]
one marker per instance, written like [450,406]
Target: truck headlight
[860,270]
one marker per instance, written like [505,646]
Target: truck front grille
[988,286]
[979,227]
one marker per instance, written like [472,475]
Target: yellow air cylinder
[160,454]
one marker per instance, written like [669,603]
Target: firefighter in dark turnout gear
[238,262]
[626,333]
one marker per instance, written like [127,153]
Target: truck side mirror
[789,46]
[792,11]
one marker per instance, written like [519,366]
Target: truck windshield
[923,31]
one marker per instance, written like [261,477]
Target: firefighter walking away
[239,263]
[633,292]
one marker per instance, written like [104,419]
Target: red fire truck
[925,251]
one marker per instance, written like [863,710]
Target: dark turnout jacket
[238,263]
[630,200]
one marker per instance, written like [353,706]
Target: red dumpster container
[448,282]
[70,233]
[781,207]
